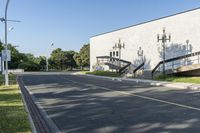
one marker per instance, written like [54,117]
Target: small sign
[6,55]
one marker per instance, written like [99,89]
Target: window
[110,54]
[113,53]
[117,53]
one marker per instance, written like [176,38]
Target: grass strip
[195,80]
[13,117]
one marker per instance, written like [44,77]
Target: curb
[48,120]
[49,124]
[27,110]
[152,82]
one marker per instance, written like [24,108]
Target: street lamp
[47,62]
[140,54]
[6,45]
[164,38]
[119,46]
[188,49]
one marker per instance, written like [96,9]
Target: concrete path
[78,103]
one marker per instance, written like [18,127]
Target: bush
[29,66]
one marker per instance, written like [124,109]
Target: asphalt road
[77,103]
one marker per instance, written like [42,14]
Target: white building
[182,26]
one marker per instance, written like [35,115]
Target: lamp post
[163,38]
[6,45]
[47,62]
[140,54]
[187,50]
[119,46]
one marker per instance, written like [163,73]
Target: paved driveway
[86,104]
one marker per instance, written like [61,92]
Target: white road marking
[140,96]
[155,99]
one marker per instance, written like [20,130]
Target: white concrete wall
[182,27]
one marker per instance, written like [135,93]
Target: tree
[83,57]
[70,62]
[57,58]
[78,60]
[41,60]
[62,59]
[1,46]
[29,66]
[16,57]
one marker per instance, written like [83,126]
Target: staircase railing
[177,58]
[122,67]
[138,67]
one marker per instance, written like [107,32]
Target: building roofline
[146,22]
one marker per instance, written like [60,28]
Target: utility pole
[163,38]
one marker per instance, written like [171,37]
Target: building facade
[184,29]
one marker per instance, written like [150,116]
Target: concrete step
[144,75]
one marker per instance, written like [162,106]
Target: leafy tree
[83,57]
[16,57]
[58,58]
[29,66]
[41,60]
[70,62]
[78,60]
[1,46]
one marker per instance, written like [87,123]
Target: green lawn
[13,117]
[104,73]
[195,80]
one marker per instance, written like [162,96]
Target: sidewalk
[152,82]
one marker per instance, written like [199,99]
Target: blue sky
[70,23]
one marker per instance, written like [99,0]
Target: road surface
[78,103]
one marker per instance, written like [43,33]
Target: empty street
[79,103]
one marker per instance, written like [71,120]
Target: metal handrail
[121,70]
[137,68]
[117,59]
[174,59]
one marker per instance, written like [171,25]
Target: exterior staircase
[186,65]
[119,65]
[144,74]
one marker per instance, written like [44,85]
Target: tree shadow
[80,104]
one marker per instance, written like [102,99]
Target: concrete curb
[27,110]
[46,117]
[48,120]
[152,82]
